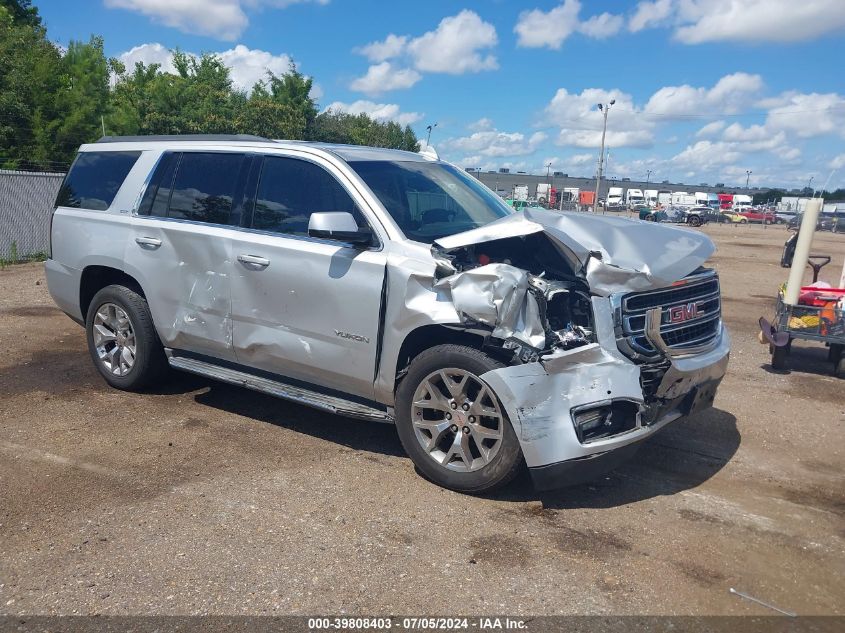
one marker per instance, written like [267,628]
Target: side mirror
[340,226]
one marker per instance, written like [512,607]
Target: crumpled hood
[612,254]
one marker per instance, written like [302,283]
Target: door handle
[254,260]
[150,242]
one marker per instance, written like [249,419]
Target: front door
[302,307]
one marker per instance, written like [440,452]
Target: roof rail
[183,137]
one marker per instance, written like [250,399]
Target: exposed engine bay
[523,289]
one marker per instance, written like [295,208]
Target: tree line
[53,100]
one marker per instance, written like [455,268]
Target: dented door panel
[312,313]
[184,269]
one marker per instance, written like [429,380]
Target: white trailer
[650,196]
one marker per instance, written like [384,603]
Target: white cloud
[537,28]
[153,53]
[384,77]
[729,95]
[650,14]
[699,21]
[222,19]
[602,26]
[808,115]
[495,143]
[377,111]
[711,129]
[581,122]
[247,66]
[392,46]
[838,162]
[251,65]
[456,46]
[482,124]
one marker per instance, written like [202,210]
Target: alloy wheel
[114,339]
[457,420]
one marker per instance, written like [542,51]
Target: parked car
[389,286]
[649,214]
[756,215]
[734,218]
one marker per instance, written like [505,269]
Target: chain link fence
[26,202]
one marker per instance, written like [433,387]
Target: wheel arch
[96,277]
[428,336]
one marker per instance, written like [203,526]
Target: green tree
[22,12]
[30,77]
[359,129]
[293,89]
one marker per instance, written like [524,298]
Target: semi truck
[650,196]
[614,196]
[634,197]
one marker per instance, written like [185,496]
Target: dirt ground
[205,498]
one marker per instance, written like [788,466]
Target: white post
[802,250]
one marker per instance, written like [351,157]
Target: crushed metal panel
[612,254]
[497,295]
[539,396]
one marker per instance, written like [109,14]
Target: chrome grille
[700,290]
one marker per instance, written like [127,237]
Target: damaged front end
[596,360]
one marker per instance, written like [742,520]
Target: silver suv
[390,286]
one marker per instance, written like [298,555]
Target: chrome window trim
[243,229]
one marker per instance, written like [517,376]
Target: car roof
[348,153]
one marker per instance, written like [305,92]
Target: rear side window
[290,190]
[204,187]
[94,179]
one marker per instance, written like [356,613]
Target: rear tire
[122,339]
[430,438]
[650,217]
[744,221]
[694,221]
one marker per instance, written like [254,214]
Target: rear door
[180,248]
[303,307]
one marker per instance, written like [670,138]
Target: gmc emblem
[679,314]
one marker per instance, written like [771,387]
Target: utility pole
[604,109]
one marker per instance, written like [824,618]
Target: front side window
[94,179]
[204,187]
[430,200]
[290,190]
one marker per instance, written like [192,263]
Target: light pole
[748,173]
[428,138]
[647,177]
[604,109]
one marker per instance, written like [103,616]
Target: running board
[315,399]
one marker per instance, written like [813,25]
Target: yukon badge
[686,312]
[354,337]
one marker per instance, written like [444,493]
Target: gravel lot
[204,498]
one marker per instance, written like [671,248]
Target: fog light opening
[597,422]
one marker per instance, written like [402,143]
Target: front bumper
[539,398]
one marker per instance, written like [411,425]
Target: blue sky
[704,89]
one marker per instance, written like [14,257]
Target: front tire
[452,425]
[122,339]
[694,221]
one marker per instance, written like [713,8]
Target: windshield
[430,200]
